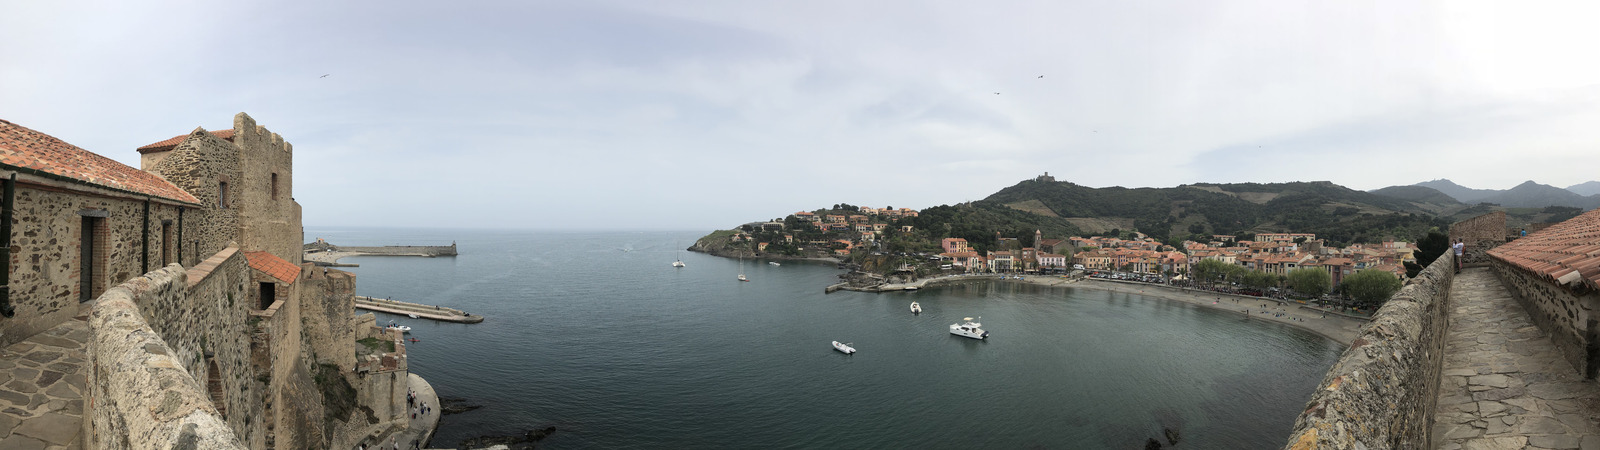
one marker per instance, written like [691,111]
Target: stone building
[203,325]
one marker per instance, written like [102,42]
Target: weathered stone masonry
[1568,314]
[1382,391]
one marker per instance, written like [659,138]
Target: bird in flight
[325,75]
[1041,76]
[997,93]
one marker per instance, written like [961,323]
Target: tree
[1429,248]
[1259,280]
[1310,281]
[1370,286]
[1210,270]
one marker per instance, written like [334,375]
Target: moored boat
[969,329]
[916,308]
[846,348]
[678,263]
[775,263]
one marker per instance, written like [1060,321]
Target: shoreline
[1337,327]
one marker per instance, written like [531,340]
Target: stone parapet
[1570,314]
[140,395]
[1382,391]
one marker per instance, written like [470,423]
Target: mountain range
[1529,194]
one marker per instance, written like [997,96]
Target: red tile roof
[273,265]
[28,150]
[168,144]
[1567,252]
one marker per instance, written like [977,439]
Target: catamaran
[969,329]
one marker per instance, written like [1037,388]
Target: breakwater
[439,313]
[323,253]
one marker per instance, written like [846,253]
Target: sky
[708,114]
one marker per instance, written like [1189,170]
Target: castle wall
[46,244]
[1480,233]
[210,330]
[140,394]
[1382,391]
[330,294]
[269,218]
[1570,316]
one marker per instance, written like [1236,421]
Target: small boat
[775,263]
[411,316]
[678,264]
[969,329]
[742,278]
[845,348]
[414,340]
[741,270]
[402,328]
[915,308]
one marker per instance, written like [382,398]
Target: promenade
[1504,385]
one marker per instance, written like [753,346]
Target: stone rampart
[1570,315]
[140,395]
[1381,393]
[1480,233]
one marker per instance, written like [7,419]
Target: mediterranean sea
[596,334]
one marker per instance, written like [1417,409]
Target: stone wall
[201,165]
[331,295]
[1480,233]
[1381,393]
[1570,315]
[46,257]
[140,395]
[269,218]
[210,327]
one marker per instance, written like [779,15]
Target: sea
[596,334]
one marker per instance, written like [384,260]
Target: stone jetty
[439,313]
[323,253]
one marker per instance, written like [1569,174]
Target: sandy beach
[1332,326]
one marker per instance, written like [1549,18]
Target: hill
[1418,194]
[1586,188]
[1461,193]
[1334,212]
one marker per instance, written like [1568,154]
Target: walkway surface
[1504,385]
[41,389]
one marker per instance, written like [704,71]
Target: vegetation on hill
[1338,214]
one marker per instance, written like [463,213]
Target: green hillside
[1333,212]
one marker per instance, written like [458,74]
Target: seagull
[1041,76]
[997,93]
[325,75]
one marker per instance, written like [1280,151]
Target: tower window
[274,186]
[222,194]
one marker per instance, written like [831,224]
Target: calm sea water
[596,334]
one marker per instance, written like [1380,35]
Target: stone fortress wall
[1382,391]
[1480,233]
[202,165]
[139,393]
[269,219]
[1571,316]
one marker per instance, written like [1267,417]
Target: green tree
[1209,270]
[1310,281]
[1370,286]
[1429,248]
[1258,280]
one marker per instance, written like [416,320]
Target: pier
[422,311]
[326,254]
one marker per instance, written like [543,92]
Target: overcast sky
[707,114]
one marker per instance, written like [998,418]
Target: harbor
[418,310]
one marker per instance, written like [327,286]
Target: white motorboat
[915,308]
[678,264]
[775,263]
[846,348]
[402,328]
[411,316]
[969,329]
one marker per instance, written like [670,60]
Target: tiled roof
[24,148]
[168,144]
[1567,252]
[273,265]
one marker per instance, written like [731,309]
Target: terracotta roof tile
[1567,252]
[273,265]
[24,148]
[226,133]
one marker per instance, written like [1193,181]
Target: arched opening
[214,387]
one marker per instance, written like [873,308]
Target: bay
[596,334]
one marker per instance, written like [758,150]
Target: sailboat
[679,263]
[741,270]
